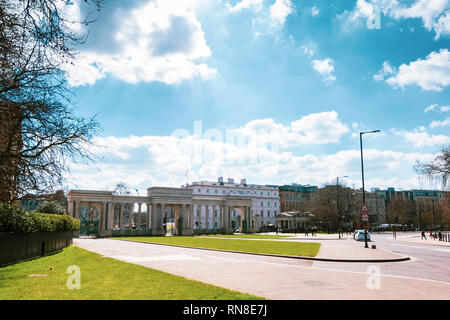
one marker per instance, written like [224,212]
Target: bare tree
[122,189]
[40,132]
[438,169]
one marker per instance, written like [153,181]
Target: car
[359,236]
[355,232]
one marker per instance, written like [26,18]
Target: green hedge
[16,219]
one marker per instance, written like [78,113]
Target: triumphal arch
[164,210]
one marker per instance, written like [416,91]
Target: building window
[215,191]
[199,190]
[262,204]
[207,190]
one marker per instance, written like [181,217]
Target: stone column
[199,217]
[131,215]
[226,219]
[139,216]
[161,216]
[102,218]
[70,208]
[77,210]
[121,216]
[213,218]
[207,217]
[191,217]
[156,215]
[111,215]
[149,206]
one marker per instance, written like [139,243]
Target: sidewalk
[416,238]
[356,252]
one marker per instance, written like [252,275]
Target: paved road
[277,278]
[431,262]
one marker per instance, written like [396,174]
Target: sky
[274,91]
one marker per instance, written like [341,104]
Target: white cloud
[245,4]
[385,71]
[434,107]
[430,108]
[443,123]
[420,138]
[314,11]
[434,14]
[147,161]
[308,51]
[280,10]
[431,74]
[325,67]
[158,41]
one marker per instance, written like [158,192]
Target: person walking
[423,235]
[306,232]
[431,234]
[440,235]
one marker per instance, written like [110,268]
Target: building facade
[265,200]
[296,197]
[173,210]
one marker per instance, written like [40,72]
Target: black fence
[17,247]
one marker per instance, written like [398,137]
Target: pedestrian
[440,235]
[306,232]
[313,231]
[423,235]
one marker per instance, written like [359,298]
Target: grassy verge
[249,236]
[101,278]
[242,245]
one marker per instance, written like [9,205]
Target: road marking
[171,257]
[443,250]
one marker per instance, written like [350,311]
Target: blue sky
[297,80]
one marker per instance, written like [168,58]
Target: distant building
[31,202]
[266,199]
[296,197]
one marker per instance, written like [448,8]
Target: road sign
[365,217]
[364,209]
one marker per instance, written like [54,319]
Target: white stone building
[266,200]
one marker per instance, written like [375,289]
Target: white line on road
[171,257]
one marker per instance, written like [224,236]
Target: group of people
[313,232]
[436,235]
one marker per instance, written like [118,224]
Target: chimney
[244,181]
[230,180]
[220,180]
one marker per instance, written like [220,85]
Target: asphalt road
[286,279]
[429,262]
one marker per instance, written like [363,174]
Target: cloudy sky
[274,91]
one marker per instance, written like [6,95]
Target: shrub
[16,219]
[53,207]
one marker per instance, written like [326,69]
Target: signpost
[365,218]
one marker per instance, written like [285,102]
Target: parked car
[359,236]
[356,232]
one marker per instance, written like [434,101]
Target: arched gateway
[162,210]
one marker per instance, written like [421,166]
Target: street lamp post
[338,206]
[362,174]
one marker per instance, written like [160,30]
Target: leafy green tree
[52,207]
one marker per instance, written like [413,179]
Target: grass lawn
[101,278]
[255,246]
[247,235]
